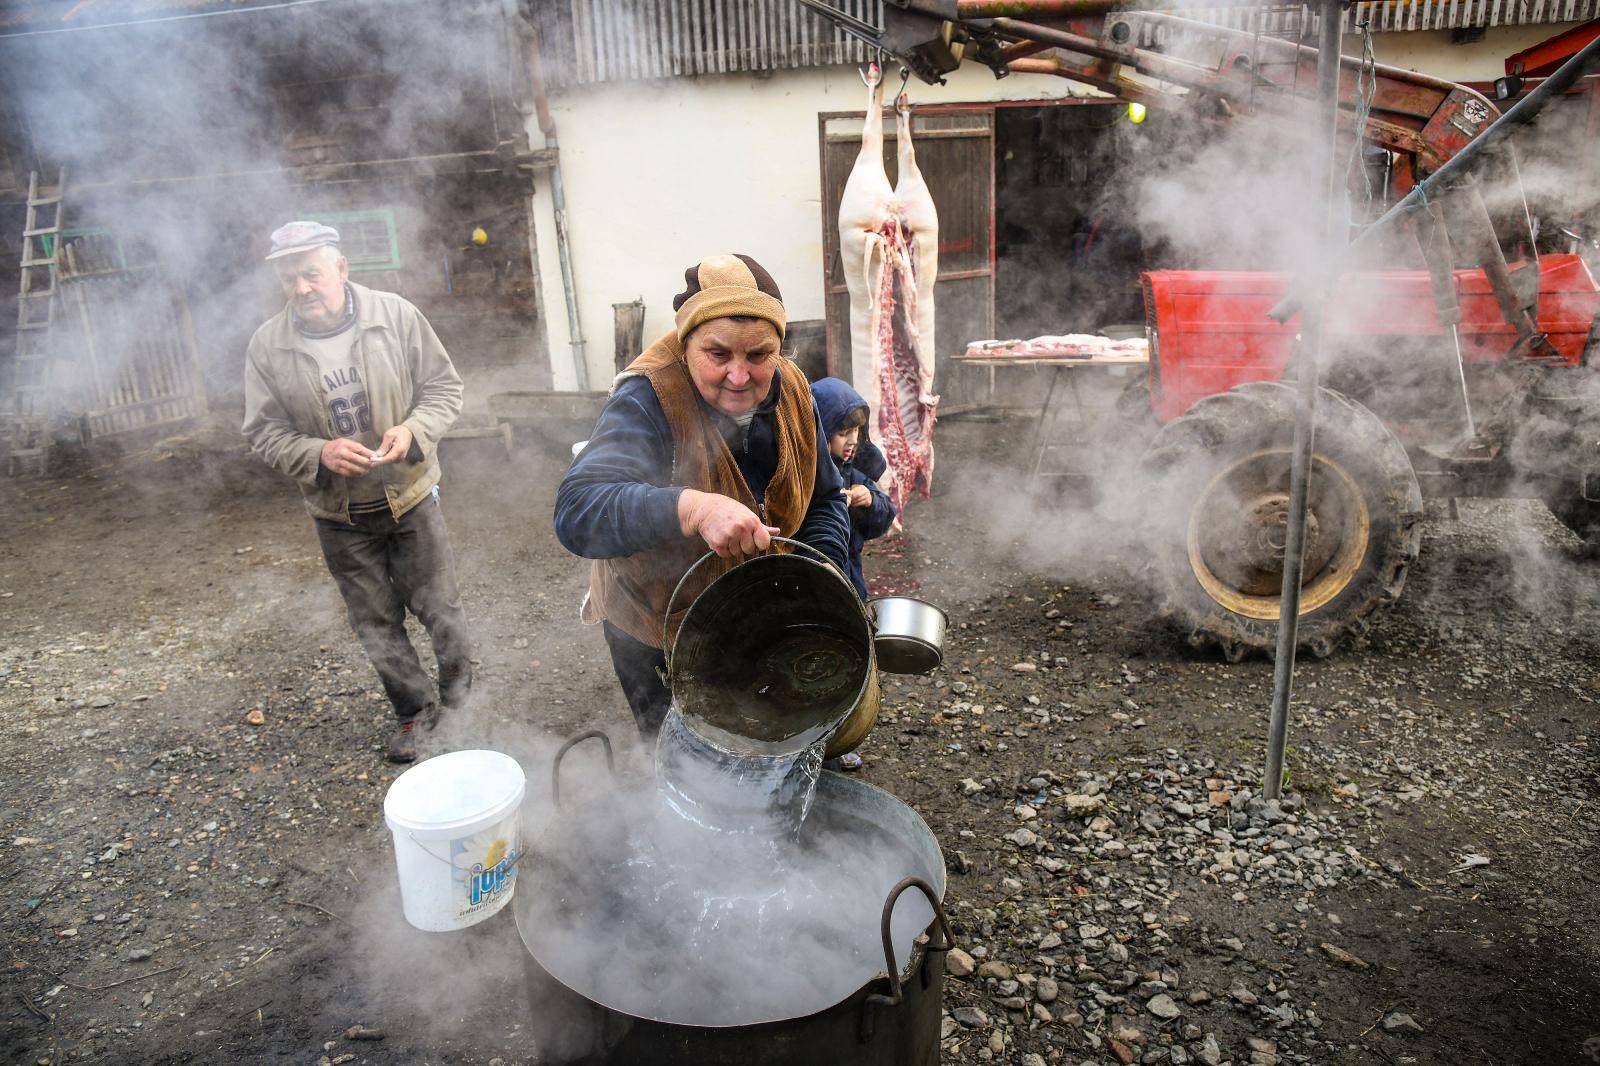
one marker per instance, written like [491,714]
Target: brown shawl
[632,592]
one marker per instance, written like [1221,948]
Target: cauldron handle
[893,971]
[561,753]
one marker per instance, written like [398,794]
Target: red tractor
[1441,382]
[1392,430]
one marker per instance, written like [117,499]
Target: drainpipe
[558,198]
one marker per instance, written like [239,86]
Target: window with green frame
[72,233]
[367,238]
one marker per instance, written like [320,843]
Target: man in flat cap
[348,390]
[710,441]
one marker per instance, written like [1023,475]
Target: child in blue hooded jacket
[843,414]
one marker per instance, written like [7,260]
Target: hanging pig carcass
[889,243]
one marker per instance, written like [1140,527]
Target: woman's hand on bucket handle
[727,526]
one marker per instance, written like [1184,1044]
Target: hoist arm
[1151,57]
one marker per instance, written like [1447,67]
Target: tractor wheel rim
[1235,535]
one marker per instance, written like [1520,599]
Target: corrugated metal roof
[620,40]
[613,40]
[1410,15]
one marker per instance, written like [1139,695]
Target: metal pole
[1324,175]
[1460,164]
[558,207]
[558,204]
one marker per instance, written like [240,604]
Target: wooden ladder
[31,406]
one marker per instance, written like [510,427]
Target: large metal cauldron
[891,1019]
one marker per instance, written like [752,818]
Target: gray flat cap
[292,237]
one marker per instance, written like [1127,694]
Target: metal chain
[1366,90]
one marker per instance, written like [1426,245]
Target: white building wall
[659,174]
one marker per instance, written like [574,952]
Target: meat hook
[902,105]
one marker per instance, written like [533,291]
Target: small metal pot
[910,634]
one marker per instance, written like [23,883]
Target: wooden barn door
[955,152]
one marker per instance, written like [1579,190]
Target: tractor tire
[1218,481]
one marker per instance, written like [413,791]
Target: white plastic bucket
[456,846]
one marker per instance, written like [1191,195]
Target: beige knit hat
[722,286]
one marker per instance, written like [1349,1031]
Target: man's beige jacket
[409,380]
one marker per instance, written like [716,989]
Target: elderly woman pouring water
[709,442]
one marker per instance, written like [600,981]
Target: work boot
[403,742]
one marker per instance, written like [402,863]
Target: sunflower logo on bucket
[493,875]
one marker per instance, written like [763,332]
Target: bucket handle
[891,971]
[666,619]
[561,753]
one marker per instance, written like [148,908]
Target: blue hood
[835,400]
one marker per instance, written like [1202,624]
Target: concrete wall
[658,174]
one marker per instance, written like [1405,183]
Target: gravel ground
[193,865]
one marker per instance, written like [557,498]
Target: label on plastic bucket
[483,869]
[454,883]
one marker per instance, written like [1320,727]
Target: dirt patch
[179,884]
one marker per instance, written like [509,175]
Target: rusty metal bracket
[1535,347]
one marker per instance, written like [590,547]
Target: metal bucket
[910,634]
[774,656]
[891,1019]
